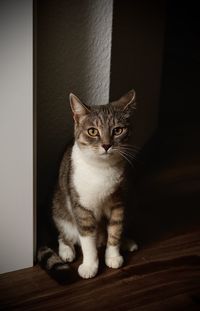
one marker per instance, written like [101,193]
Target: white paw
[66,253]
[114,262]
[87,271]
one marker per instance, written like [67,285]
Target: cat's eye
[118,131]
[93,132]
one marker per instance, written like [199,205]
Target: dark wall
[166,79]
[172,170]
[136,59]
[180,104]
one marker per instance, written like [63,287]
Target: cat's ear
[78,108]
[127,101]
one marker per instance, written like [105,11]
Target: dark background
[156,50]
[179,105]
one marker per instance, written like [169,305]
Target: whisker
[130,147]
[126,158]
[133,147]
[129,154]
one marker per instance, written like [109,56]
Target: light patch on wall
[99,51]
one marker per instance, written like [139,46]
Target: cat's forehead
[105,114]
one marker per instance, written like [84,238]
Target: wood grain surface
[162,276]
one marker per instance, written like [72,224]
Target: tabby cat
[88,208]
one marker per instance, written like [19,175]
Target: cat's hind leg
[68,237]
[66,250]
[129,245]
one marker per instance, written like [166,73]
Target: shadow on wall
[169,191]
[136,62]
[136,59]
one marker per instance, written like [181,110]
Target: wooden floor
[163,275]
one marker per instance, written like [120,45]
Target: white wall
[16,135]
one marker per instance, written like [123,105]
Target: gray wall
[16,135]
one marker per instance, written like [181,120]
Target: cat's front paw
[87,271]
[114,262]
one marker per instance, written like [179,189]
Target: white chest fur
[93,183]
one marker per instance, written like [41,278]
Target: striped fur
[88,208]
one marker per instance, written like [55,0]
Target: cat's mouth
[106,154]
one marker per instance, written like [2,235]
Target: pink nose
[106,147]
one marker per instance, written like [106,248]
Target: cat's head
[102,131]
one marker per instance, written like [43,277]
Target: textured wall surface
[16,135]
[73,55]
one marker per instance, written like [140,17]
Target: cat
[88,208]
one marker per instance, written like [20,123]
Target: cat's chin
[106,155]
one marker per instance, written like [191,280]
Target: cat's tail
[49,260]
[53,264]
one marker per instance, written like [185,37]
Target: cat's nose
[106,147]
